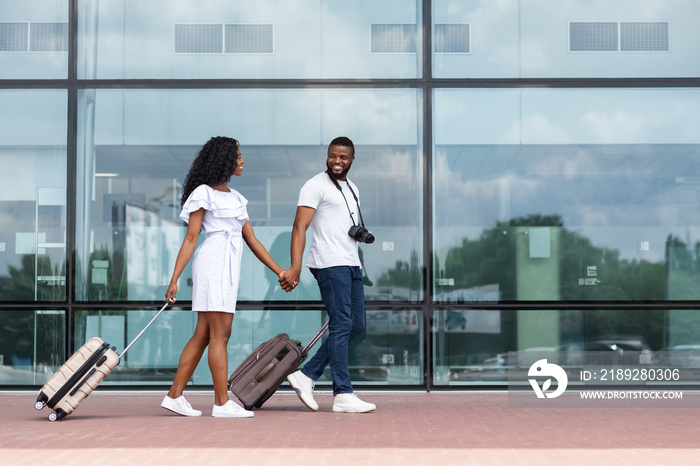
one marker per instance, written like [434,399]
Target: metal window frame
[426,83]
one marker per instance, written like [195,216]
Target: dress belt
[229,249]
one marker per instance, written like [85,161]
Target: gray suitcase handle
[304,352]
[144,329]
[315,339]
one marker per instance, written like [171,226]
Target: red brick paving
[406,429]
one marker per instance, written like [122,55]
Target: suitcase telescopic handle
[144,329]
[315,339]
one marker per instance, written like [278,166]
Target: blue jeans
[343,295]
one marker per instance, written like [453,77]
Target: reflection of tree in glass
[491,259]
[27,338]
[403,275]
[116,286]
[16,336]
[20,284]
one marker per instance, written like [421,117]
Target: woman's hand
[287,280]
[170,294]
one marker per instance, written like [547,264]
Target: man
[329,203]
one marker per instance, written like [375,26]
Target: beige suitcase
[81,374]
[77,378]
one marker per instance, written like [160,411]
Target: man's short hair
[343,141]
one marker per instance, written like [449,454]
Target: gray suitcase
[257,378]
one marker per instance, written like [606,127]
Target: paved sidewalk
[122,428]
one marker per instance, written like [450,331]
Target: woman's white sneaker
[180,406]
[231,409]
[350,403]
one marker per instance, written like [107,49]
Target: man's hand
[289,280]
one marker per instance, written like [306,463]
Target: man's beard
[337,176]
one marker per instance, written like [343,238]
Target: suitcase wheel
[41,401]
[56,415]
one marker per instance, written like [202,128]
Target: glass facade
[133,162]
[268,39]
[33,195]
[34,39]
[530,170]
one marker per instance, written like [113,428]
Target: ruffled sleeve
[221,205]
[202,196]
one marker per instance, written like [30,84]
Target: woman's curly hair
[215,164]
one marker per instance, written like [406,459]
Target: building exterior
[530,169]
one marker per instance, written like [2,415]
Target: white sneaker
[304,386]
[350,403]
[180,406]
[231,409]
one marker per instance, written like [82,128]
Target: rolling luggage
[264,370]
[81,374]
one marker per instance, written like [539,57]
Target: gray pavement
[127,428]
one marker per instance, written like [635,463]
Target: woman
[208,204]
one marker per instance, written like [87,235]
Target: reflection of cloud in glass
[381,117]
[311,39]
[499,15]
[605,116]
[617,125]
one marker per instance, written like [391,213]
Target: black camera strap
[337,185]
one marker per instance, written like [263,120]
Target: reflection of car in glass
[608,351]
[453,320]
[683,356]
[493,368]
[391,322]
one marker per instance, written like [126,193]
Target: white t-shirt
[331,245]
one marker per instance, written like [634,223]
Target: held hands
[288,280]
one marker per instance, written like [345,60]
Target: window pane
[393,38]
[390,352]
[198,38]
[644,37]
[14,37]
[49,37]
[32,345]
[33,195]
[34,39]
[471,346]
[249,38]
[593,37]
[232,40]
[154,357]
[133,159]
[593,200]
[683,340]
[452,38]
[554,39]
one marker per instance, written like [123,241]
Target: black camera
[361,234]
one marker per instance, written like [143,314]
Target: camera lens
[361,234]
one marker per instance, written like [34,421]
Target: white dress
[216,267]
